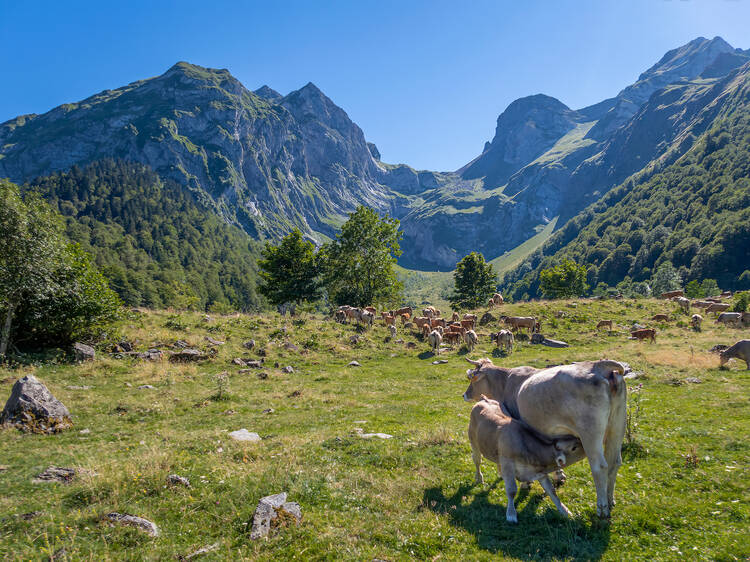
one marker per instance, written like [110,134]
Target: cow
[672,294]
[364,316]
[340,316]
[404,310]
[740,350]
[490,303]
[467,324]
[717,307]
[471,339]
[352,313]
[435,338]
[420,321]
[660,318]
[435,322]
[587,400]
[701,304]
[452,338]
[503,339]
[455,317]
[726,294]
[497,299]
[644,334]
[371,309]
[429,312]
[730,318]
[389,320]
[472,317]
[518,322]
[392,329]
[683,303]
[519,452]
[426,329]
[603,323]
[695,322]
[405,318]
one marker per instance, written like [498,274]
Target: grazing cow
[392,329]
[695,321]
[497,299]
[660,318]
[426,329]
[404,310]
[340,316]
[730,318]
[672,294]
[389,320]
[586,400]
[435,338]
[713,299]
[453,338]
[421,321]
[472,317]
[603,323]
[365,316]
[467,324]
[455,317]
[519,453]
[683,303]
[717,307]
[471,339]
[352,313]
[644,334]
[435,322]
[740,350]
[405,317]
[726,294]
[429,312]
[504,339]
[371,309]
[518,322]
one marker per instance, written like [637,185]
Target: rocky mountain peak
[268,94]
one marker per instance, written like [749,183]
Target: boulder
[212,341]
[273,512]
[140,523]
[126,345]
[249,344]
[486,319]
[245,435]
[83,352]
[182,344]
[239,362]
[537,338]
[187,355]
[289,346]
[288,370]
[55,474]
[554,343]
[32,407]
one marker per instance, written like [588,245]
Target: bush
[741,301]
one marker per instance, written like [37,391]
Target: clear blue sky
[425,80]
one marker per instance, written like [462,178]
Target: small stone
[126,345]
[187,355]
[353,364]
[128,384]
[76,387]
[554,343]
[354,340]
[693,380]
[288,370]
[289,346]
[83,352]
[378,435]
[147,387]
[177,480]
[440,362]
[360,421]
[262,376]
[239,362]
[272,512]
[411,345]
[145,525]
[212,341]
[182,344]
[31,515]
[537,338]
[268,411]
[249,344]
[245,435]
[201,551]
[57,474]
[85,431]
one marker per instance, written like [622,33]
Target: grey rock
[353,364]
[289,346]
[147,387]
[32,407]
[270,511]
[201,551]
[249,344]
[187,355]
[288,370]
[31,515]
[85,431]
[693,380]
[268,411]
[354,340]
[440,362]
[149,527]
[537,338]
[83,352]
[486,319]
[182,344]
[126,346]
[254,364]
[78,387]
[177,480]
[212,341]
[245,435]
[377,435]
[554,343]
[61,474]
[239,362]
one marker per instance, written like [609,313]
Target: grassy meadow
[682,492]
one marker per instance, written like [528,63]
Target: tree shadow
[426,355]
[541,534]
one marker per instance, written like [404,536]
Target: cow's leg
[509,476]
[476,456]
[592,446]
[613,454]
[550,489]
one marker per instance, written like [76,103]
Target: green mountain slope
[693,212]
[152,240]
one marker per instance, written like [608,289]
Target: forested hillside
[694,212]
[150,238]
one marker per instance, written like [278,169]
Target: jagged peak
[268,93]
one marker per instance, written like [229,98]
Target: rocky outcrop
[32,407]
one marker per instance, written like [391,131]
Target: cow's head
[478,385]
[567,448]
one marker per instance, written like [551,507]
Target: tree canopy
[565,280]
[289,271]
[358,266]
[475,282]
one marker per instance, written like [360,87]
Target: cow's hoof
[512,519]
[602,511]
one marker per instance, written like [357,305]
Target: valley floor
[682,492]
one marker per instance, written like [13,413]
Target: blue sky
[425,80]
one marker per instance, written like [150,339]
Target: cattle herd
[532,422]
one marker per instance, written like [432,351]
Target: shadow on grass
[541,534]
[426,355]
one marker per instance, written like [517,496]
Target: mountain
[690,207]
[267,162]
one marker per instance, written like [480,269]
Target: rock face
[32,407]
[272,512]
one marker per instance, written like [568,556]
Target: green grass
[511,259]
[410,497]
